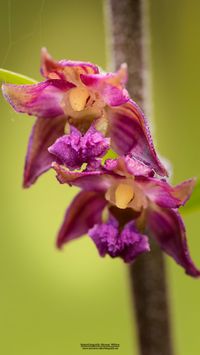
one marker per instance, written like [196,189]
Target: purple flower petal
[109,86]
[130,134]
[38,159]
[136,167]
[74,149]
[127,244]
[64,69]
[97,180]
[184,190]
[163,194]
[84,211]
[128,165]
[41,100]
[167,227]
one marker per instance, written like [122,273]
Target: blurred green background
[51,301]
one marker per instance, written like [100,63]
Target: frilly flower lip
[74,149]
[120,208]
[80,94]
[127,244]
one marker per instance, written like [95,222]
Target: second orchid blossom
[122,205]
[78,94]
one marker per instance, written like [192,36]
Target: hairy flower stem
[126,21]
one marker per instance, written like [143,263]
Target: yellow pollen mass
[78,97]
[123,195]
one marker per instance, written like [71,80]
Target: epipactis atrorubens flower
[79,94]
[121,205]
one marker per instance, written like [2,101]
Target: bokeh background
[51,301]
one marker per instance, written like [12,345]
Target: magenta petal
[109,86]
[97,180]
[49,67]
[184,190]
[130,134]
[165,195]
[41,100]
[38,159]
[84,211]
[52,69]
[136,167]
[128,165]
[167,228]
[160,192]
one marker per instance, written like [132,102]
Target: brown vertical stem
[126,21]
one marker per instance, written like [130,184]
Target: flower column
[126,21]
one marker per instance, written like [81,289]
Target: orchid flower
[122,205]
[79,94]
